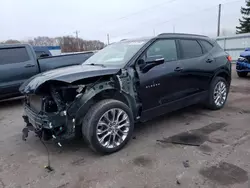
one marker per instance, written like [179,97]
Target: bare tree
[72,44]
[67,43]
[11,41]
[43,41]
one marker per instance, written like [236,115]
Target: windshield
[116,54]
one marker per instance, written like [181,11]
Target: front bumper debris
[56,126]
[242,66]
[26,130]
[44,120]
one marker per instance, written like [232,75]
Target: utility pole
[219,15]
[78,45]
[108,38]
[154,31]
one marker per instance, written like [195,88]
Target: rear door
[16,65]
[196,66]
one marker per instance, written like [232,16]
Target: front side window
[190,48]
[116,54]
[13,55]
[165,48]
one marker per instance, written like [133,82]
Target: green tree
[245,21]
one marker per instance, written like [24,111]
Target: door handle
[178,69]
[209,60]
[29,65]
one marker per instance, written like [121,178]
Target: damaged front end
[47,114]
[55,109]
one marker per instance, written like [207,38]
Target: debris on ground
[186,163]
[177,182]
[179,177]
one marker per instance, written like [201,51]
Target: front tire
[218,93]
[108,126]
[242,74]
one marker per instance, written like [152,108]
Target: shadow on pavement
[11,102]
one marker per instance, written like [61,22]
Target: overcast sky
[23,19]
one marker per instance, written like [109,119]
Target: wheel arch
[108,92]
[224,74]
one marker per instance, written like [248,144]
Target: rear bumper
[242,67]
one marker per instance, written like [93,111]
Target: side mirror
[150,62]
[157,60]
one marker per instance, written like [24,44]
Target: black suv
[126,82]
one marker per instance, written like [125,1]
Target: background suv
[243,63]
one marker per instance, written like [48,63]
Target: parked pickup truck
[19,62]
[129,81]
[243,63]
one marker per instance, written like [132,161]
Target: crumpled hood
[68,74]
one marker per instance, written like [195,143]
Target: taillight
[229,58]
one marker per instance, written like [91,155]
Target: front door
[160,85]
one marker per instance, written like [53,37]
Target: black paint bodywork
[163,88]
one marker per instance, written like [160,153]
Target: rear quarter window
[190,48]
[206,45]
[13,55]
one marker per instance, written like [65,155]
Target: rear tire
[218,93]
[242,74]
[108,126]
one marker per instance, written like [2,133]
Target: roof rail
[184,34]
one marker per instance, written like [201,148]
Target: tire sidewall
[211,94]
[93,126]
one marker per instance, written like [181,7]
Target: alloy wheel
[113,128]
[220,93]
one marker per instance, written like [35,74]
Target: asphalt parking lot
[220,159]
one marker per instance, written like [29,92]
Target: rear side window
[13,55]
[165,48]
[206,45]
[190,48]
